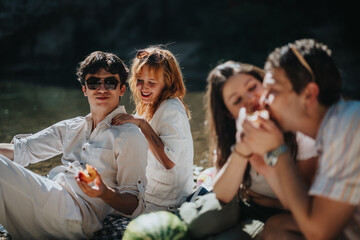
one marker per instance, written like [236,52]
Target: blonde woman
[158,90]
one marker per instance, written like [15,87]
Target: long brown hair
[166,65]
[220,124]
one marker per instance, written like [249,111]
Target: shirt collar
[109,117]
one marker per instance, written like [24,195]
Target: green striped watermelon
[159,225]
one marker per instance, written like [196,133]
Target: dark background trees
[42,40]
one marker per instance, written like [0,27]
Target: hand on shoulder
[124,118]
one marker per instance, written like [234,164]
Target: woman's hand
[242,149]
[99,189]
[239,146]
[124,118]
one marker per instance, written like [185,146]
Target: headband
[302,61]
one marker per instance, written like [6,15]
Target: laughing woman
[158,89]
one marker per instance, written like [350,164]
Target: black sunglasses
[94,83]
[153,57]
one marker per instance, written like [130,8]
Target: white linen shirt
[169,188]
[118,153]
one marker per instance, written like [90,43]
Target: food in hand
[254,117]
[88,175]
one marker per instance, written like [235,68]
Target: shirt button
[83,148]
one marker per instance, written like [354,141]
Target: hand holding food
[254,117]
[251,117]
[88,175]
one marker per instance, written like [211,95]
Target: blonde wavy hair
[160,61]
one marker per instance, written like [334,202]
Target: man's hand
[124,118]
[262,138]
[257,162]
[98,190]
[125,202]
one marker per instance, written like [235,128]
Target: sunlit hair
[166,65]
[220,124]
[305,61]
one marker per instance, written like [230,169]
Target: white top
[118,153]
[338,175]
[170,187]
[306,150]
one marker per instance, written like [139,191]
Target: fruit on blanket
[156,225]
[254,117]
[88,175]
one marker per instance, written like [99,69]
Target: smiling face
[102,100]
[242,90]
[149,84]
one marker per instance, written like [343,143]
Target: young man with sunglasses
[303,94]
[64,206]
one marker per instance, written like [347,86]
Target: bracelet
[233,150]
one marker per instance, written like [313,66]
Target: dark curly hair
[102,60]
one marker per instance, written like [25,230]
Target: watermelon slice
[156,225]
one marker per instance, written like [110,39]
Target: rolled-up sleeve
[131,163]
[171,128]
[40,146]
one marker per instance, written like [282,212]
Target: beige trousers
[34,207]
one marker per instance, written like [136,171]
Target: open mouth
[251,109]
[145,95]
[255,108]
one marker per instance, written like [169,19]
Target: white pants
[34,207]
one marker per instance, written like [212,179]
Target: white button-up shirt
[119,154]
[169,188]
